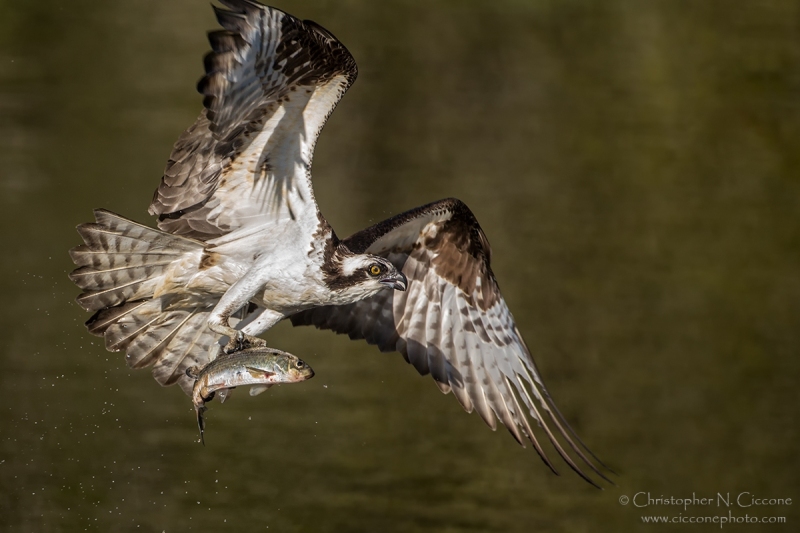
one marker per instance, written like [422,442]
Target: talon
[231,347]
[242,341]
[234,345]
[251,341]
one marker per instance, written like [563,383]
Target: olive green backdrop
[635,165]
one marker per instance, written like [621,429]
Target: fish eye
[375,269]
[300,364]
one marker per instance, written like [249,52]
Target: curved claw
[250,342]
[242,341]
[235,344]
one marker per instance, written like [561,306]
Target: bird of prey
[242,245]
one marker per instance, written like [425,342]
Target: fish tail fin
[201,424]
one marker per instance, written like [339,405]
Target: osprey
[242,244]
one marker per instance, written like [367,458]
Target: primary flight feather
[242,244]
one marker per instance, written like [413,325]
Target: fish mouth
[398,282]
[298,376]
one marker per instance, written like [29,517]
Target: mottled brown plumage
[452,322]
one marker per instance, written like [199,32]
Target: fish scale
[259,367]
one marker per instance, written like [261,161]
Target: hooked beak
[398,282]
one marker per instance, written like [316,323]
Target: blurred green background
[634,164]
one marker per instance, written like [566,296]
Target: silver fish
[258,366]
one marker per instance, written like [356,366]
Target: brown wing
[452,322]
[271,82]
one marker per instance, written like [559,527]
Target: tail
[201,424]
[120,268]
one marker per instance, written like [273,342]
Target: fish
[258,366]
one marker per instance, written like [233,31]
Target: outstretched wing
[271,82]
[452,322]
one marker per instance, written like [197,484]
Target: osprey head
[359,276]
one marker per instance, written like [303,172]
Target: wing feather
[270,83]
[415,316]
[453,323]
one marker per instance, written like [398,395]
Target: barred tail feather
[122,260]
[119,268]
[191,345]
[173,340]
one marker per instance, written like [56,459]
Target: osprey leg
[237,296]
[260,321]
[238,338]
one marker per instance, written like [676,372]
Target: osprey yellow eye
[374,270]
